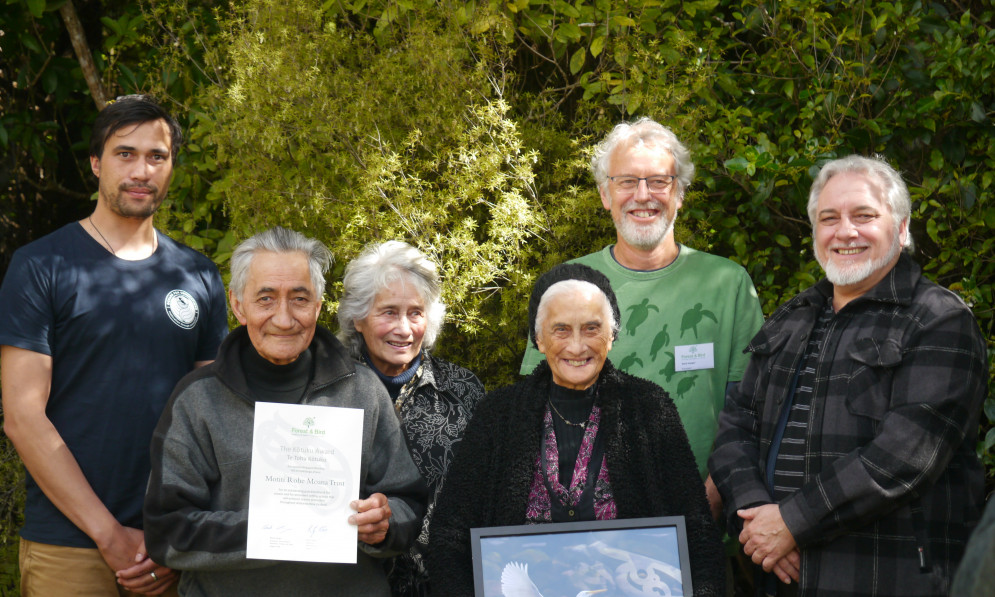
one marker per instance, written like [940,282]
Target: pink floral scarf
[539,508]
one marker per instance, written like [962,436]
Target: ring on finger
[154,577]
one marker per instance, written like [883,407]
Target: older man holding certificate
[272,461]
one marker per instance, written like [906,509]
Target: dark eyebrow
[133,149]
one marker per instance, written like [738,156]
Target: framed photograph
[601,558]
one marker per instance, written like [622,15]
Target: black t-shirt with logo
[120,334]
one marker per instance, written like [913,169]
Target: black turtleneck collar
[269,382]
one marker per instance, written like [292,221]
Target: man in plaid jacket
[846,457]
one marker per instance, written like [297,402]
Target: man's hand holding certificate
[372,518]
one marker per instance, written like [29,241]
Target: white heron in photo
[515,582]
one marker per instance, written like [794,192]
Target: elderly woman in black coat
[575,440]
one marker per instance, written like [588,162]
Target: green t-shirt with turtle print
[684,327]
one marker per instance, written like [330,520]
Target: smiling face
[394,329]
[134,169]
[573,330]
[855,236]
[278,306]
[642,219]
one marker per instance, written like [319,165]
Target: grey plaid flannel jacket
[892,484]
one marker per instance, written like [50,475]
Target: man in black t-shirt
[101,319]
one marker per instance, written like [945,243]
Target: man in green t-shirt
[686,315]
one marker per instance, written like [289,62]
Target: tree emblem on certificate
[305,471]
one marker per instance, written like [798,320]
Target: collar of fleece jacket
[333,356]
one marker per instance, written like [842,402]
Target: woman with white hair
[389,317]
[576,440]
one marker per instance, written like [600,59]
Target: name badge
[694,356]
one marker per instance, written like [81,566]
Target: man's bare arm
[27,381]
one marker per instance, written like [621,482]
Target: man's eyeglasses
[655,184]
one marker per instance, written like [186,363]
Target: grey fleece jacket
[196,508]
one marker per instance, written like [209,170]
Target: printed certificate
[305,471]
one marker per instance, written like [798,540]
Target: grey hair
[644,131]
[280,240]
[888,183]
[567,286]
[377,267]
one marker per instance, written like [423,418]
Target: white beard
[645,236]
[847,276]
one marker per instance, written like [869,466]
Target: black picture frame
[564,559]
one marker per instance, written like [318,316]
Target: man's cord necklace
[155,240]
[101,234]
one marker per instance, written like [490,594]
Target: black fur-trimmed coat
[651,468]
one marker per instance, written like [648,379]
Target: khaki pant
[57,571]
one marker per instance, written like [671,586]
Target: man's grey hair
[280,240]
[566,287]
[376,268]
[888,183]
[644,131]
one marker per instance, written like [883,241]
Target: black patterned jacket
[435,407]
[649,460]
[890,463]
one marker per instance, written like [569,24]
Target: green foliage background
[465,129]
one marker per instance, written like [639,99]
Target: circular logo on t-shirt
[182,308]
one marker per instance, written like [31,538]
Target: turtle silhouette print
[692,317]
[662,339]
[639,314]
[669,370]
[686,384]
[629,361]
